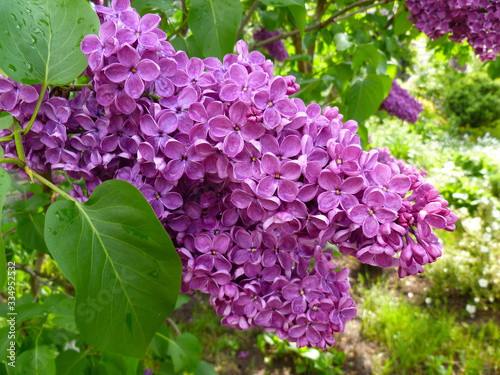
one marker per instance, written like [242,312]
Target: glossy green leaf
[299,14]
[30,231]
[365,53]
[205,368]
[40,39]
[283,3]
[70,362]
[4,188]
[185,352]
[493,69]
[401,23]
[5,121]
[122,263]
[115,364]
[214,24]
[342,41]
[164,6]
[189,45]
[364,97]
[37,361]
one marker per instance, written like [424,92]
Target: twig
[247,18]
[174,326]
[333,19]
[57,280]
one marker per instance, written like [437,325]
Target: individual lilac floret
[249,183]
[402,104]
[275,49]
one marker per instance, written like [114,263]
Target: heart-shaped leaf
[214,24]
[40,40]
[122,263]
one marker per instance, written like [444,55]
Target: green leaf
[4,188]
[342,41]
[41,39]
[189,45]
[214,24]
[283,3]
[119,365]
[299,14]
[164,6]
[37,201]
[494,68]
[185,352]
[70,362]
[401,23]
[122,263]
[365,53]
[5,121]
[30,231]
[205,368]
[364,97]
[38,361]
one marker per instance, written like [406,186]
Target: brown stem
[174,326]
[247,18]
[184,29]
[35,280]
[297,43]
[69,288]
[333,19]
[321,7]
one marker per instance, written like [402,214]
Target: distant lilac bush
[275,49]
[478,21]
[402,104]
[250,184]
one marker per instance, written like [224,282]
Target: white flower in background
[483,283]
[449,165]
[484,249]
[473,224]
[495,214]
[428,300]
[471,309]
[476,299]
[495,226]
[410,295]
[486,237]
[491,299]
[464,210]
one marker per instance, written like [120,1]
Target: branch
[247,18]
[41,276]
[333,19]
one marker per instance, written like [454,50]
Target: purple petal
[370,226]
[267,186]
[271,165]
[117,72]
[287,190]
[134,86]
[327,201]
[148,70]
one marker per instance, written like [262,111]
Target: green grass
[421,340]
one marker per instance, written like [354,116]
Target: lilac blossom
[249,184]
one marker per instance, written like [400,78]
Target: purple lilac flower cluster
[249,183]
[478,21]
[275,49]
[401,103]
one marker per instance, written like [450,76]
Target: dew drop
[12,67]
[80,20]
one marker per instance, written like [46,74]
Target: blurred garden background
[445,321]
